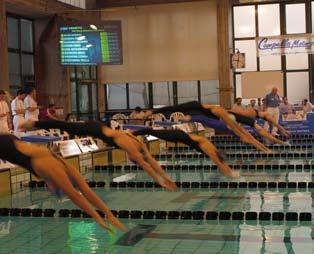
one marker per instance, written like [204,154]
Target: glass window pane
[163,94]
[297,86]
[93,72]
[138,93]
[27,35]
[210,91]
[27,64]
[249,48]
[14,63]
[116,96]
[15,80]
[268,20]
[73,96]
[13,33]
[187,91]
[83,99]
[295,18]
[297,61]
[244,21]
[268,63]
[83,72]
[94,97]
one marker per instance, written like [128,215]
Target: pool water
[176,236]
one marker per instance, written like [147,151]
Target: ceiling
[124,3]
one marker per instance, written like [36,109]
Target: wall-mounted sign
[285,45]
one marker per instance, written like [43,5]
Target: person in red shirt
[49,113]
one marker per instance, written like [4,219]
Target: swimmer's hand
[115,222]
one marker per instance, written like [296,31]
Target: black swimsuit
[171,136]
[9,152]
[244,119]
[192,108]
[91,128]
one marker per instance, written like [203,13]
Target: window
[297,86]
[249,48]
[274,19]
[187,91]
[268,20]
[138,94]
[116,96]
[295,18]
[21,52]
[162,94]
[244,21]
[210,91]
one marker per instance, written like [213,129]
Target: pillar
[224,45]
[4,66]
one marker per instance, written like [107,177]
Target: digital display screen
[91,44]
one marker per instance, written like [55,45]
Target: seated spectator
[285,107]
[253,104]
[307,106]
[137,116]
[49,113]
[238,104]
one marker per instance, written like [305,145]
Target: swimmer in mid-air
[199,143]
[217,113]
[136,150]
[59,176]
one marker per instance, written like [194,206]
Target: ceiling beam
[125,3]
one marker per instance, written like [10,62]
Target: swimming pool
[265,211]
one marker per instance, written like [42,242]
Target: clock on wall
[237,60]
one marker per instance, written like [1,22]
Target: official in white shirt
[30,104]
[4,113]
[18,110]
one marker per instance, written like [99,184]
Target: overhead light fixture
[89,45]
[93,27]
[81,38]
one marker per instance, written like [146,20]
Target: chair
[120,118]
[176,116]
[158,117]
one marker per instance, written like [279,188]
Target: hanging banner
[285,45]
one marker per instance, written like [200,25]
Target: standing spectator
[285,107]
[272,101]
[5,120]
[30,104]
[18,110]
[253,104]
[237,104]
[307,106]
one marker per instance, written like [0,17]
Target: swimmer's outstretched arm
[43,166]
[241,132]
[267,135]
[138,153]
[91,196]
[210,150]
[271,120]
